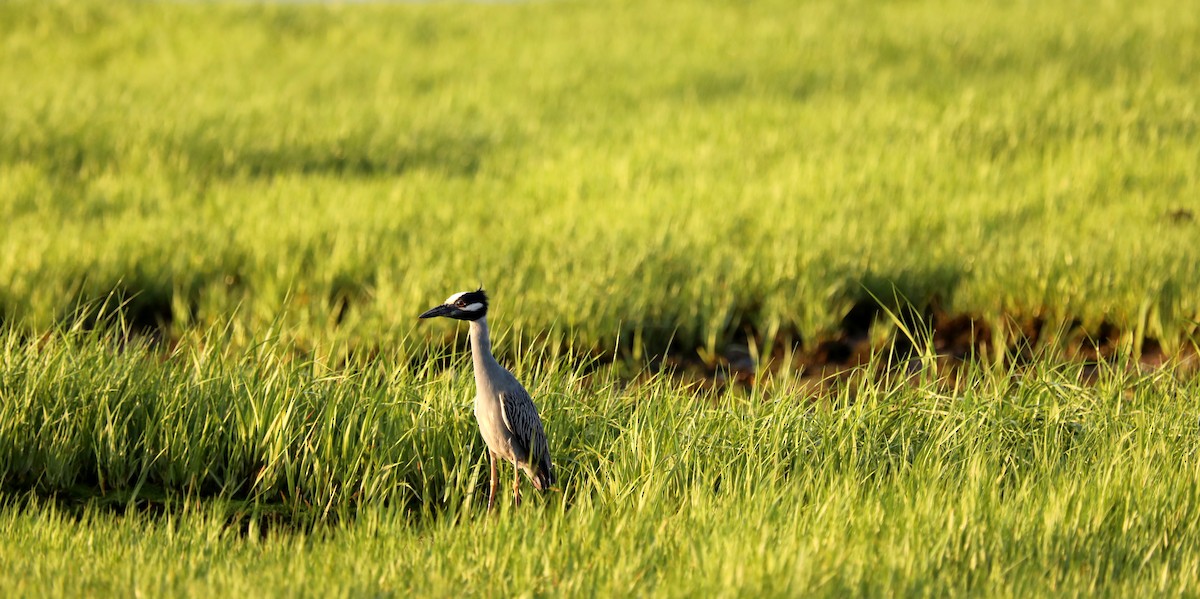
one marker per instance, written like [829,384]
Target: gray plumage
[508,419]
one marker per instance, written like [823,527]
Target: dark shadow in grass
[348,293]
[67,152]
[453,152]
[142,309]
[245,518]
[1180,216]
[910,299]
[74,154]
[711,85]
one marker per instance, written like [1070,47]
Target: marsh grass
[271,475]
[617,172]
[221,219]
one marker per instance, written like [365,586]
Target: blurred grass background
[608,170]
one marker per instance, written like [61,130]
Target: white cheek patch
[475,307]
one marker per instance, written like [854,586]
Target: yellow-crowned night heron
[508,420]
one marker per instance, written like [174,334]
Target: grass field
[221,220]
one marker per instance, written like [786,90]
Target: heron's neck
[481,345]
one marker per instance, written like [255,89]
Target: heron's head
[464,305]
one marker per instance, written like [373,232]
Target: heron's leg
[493,481]
[516,485]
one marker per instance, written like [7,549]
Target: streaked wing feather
[521,417]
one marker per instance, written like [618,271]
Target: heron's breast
[491,426]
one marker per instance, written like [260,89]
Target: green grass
[220,221]
[373,483]
[605,169]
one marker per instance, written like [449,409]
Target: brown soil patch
[956,340]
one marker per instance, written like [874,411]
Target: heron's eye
[460,304]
